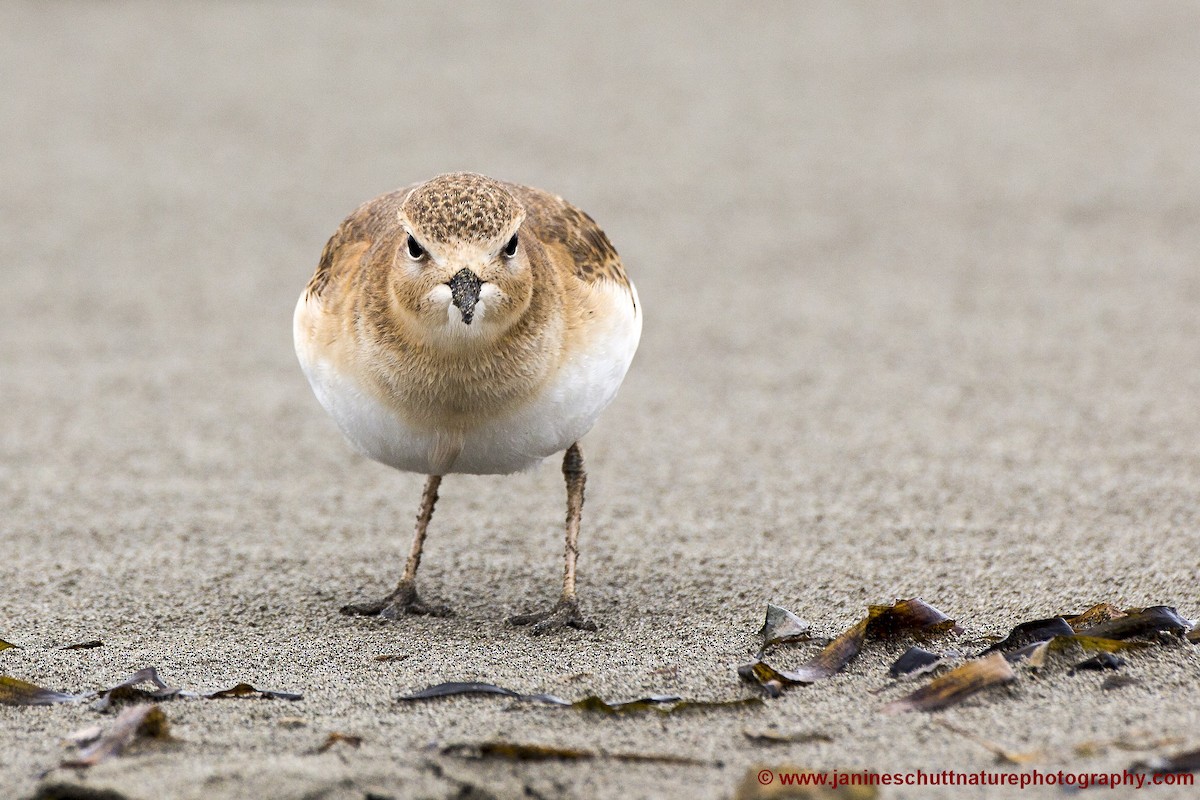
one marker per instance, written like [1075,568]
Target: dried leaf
[1187,761]
[956,685]
[336,738]
[1194,635]
[782,626]
[1003,754]
[16,692]
[88,645]
[135,723]
[775,737]
[762,782]
[1155,619]
[246,690]
[1100,661]
[5,645]
[514,751]
[915,661]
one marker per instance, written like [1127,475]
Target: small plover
[465,325]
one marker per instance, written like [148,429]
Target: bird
[466,325]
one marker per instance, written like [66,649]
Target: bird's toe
[564,614]
[403,601]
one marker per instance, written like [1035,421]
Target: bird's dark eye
[510,249]
[415,250]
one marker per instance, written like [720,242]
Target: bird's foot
[402,601]
[564,614]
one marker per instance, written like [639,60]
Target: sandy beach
[922,319]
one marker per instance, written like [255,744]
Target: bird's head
[462,274]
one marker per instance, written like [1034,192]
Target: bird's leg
[565,612]
[403,599]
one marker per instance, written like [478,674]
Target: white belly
[566,408]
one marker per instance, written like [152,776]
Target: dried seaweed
[776,737]
[915,661]
[453,688]
[1034,655]
[1101,612]
[1187,761]
[904,617]
[782,626]
[515,751]
[84,736]
[243,690]
[1141,622]
[390,657]
[1032,632]
[335,738]
[88,645]
[1031,640]
[664,703]
[1095,747]
[831,659]
[1100,661]
[1003,754]
[1099,643]
[956,685]
[59,790]
[137,723]
[128,691]
[16,692]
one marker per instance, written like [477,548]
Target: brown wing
[371,223]
[563,227]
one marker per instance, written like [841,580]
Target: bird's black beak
[464,291]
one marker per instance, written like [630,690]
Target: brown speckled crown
[461,206]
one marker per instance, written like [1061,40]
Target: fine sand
[922,308]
